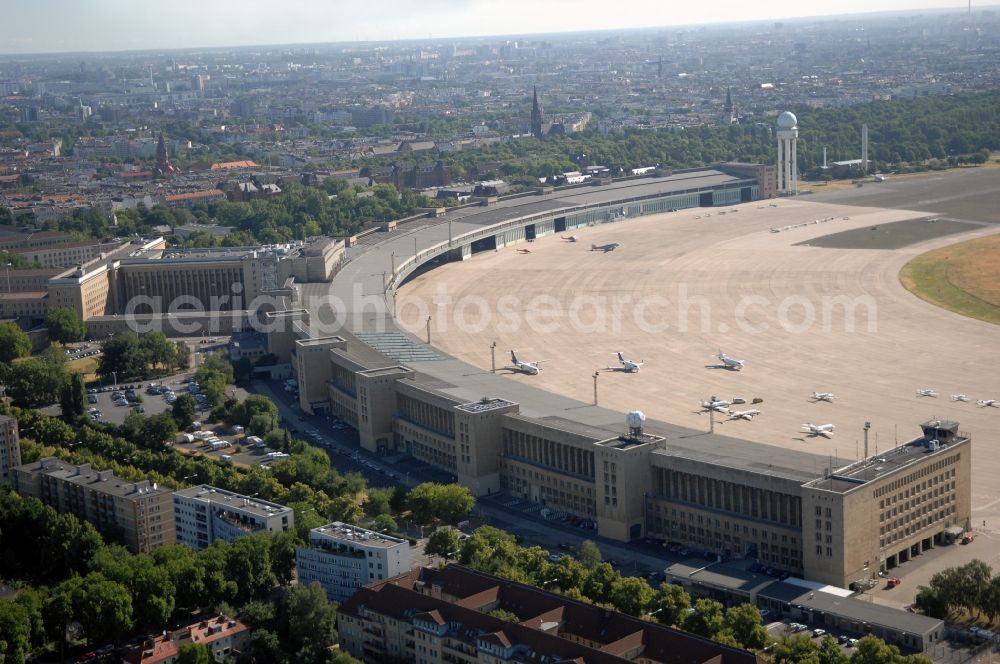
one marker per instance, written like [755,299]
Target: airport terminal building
[794,511]
[835,521]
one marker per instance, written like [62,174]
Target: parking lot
[112,404]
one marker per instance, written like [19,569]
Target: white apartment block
[344,558]
[203,514]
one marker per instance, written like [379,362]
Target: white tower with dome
[788,142]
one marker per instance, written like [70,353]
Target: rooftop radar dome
[787,120]
[635,419]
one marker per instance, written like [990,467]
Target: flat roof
[851,608]
[339,531]
[885,463]
[104,481]
[222,497]
[728,577]
[466,383]
[485,405]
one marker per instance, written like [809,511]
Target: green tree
[73,398]
[124,357]
[384,523]
[872,650]
[103,607]
[194,653]
[441,502]
[600,583]
[930,602]
[443,542]
[35,382]
[796,649]
[670,603]
[504,614]
[15,632]
[182,355]
[590,554]
[708,619]
[64,325]
[249,565]
[254,406]
[185,571]
[283,555]
[831,653]
[632,595]
[158,430]
[747,626]
[306,623]
[185,409]
[158,351]
[14,343]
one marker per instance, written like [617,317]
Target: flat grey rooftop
[236,501]
[851,608]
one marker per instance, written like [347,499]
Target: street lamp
[596,374]
[8,277]
[428,330]
[493,357]
[114,374]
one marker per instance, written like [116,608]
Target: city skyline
[114,25]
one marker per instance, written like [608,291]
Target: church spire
[536,115]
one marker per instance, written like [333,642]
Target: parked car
[819,632]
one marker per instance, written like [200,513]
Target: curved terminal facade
[791,510]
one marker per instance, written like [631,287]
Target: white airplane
[628,366]
[714,404]
[729,362]
[604,247]
[987,403]
[825,430]
[571,238]
[959,397]
[743,414]
[822,396]
[530,368]
[926,392]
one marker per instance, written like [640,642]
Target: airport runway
[683,285]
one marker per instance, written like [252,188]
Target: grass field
[86,365]
[963,277]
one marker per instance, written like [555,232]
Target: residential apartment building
[432,616]
[10,448]
[204,514]
[140,514]
[343,558]
[226,638]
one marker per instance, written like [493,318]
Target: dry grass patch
[963,277]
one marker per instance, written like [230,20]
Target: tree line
[971,588]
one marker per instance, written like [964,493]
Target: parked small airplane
[926,392]
[629,366]
[714,404]
[987,403]
[959,397]
[822,396]
[743,414]
[571,238]
[604,247]
[729,362]
[530,368]
[825,430]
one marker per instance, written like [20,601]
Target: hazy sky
[33,26]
